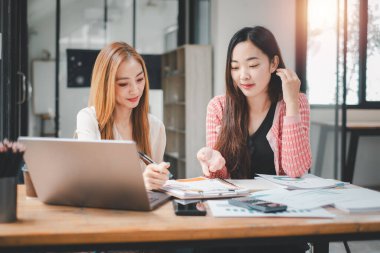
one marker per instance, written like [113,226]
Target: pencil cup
[8,199]
[29,187]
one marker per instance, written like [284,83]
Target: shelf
[181,131]
[176,103]
[174,89]
[175,155]
[186,82]
[174,117]
[172,73]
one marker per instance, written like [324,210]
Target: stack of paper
[354,199]
[307,181]
[201,187]
[299,194]
[359,200]
[254,185]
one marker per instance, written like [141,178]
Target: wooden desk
[50,227]
[356,129]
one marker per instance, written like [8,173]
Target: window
[373,51]
[325,53]
[321,51]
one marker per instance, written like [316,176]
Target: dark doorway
[13,69]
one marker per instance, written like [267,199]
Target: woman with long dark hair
[261,125]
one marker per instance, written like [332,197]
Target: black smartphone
[258,205]
[196,208]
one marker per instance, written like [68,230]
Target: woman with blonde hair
[118,108]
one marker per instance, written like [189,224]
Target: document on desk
[300,199]
[256,184]
[202,188]
[221,208]
[359,200]
[350,199]
[307,181]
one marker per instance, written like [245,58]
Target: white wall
[227,17]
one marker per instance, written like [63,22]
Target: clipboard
[203,188]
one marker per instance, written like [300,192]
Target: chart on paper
[221,208]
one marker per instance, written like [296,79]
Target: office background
[157,26]
[308,32]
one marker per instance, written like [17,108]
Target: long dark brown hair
[232,140]
[103,98]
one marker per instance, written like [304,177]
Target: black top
[262,157]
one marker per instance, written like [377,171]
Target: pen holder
[8,199]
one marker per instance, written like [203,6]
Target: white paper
[201,187]
[206,185]
[307,181]
[301,198]
[257,184]
[359,200]
[350,199]
[221,208]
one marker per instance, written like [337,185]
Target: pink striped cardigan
[288,136]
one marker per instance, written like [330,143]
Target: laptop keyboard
[156,197]
[152,198]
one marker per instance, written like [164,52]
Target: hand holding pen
[155,175]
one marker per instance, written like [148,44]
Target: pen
[147,160]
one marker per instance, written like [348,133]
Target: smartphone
[195,208]
[258,205]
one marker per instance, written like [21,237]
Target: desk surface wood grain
[41,224]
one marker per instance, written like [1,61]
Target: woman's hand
[290,88]
[211,160]
[155,175]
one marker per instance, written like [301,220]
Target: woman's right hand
[211,160]
[156,175]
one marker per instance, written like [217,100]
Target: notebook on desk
[203,188]
[102,174]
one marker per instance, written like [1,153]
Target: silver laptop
[102,174]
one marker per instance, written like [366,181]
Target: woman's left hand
[290,88]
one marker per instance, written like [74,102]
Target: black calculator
[257,204]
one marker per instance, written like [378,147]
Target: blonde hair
[102,94]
